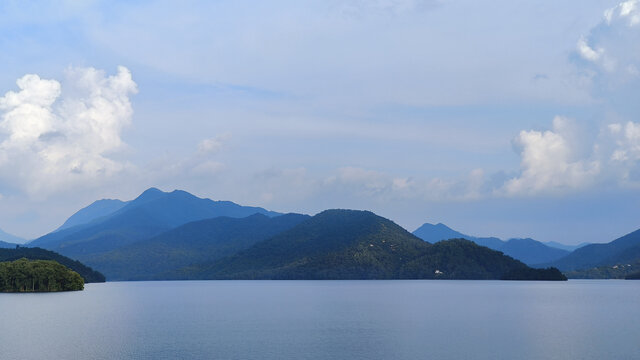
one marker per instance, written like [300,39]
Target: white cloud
[587,52]
[627,139]
[549,162]
[627,12]
[614,45]
[212,145]
[552,162]
[57,137]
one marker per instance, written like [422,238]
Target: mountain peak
[149,195]
[152,191]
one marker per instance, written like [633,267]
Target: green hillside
[348,244]
[624,250]
[88,274]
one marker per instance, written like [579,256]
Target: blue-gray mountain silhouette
[150,214]
[9,240]
[529,251]
[623,250]
[194,242]
[96,210]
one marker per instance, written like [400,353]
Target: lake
[579,319]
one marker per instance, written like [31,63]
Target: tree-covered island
[25,275]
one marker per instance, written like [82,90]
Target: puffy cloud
[613,47]
[587,52]
[549,162]
[57,137]
[625,156]
[627,12]
[555,161]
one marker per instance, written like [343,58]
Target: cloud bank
[58,136]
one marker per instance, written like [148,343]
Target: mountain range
[350,244]
[176,235]
[150,214]
[529,251]
[194,242]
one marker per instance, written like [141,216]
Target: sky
[497,118]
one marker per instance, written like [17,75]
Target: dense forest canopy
[25,275]
[88,274]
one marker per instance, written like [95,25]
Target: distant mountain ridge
[150,214]
[176,235]
[6,245]
[623,250]
[569,248]
[529,251]
[9,240]
[92,212]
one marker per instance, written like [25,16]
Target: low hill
[194,242]
[529,251]
[150,214]
[623,250]
[348,244]
[89,275]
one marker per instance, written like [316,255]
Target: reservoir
[578,319]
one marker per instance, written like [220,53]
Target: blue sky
[504,118]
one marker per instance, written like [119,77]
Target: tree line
[25,275]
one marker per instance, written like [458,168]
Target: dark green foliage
[617,271]
[634,276]
[347,244]
[534,274]
[88,274]
[461,259]
[25,275]
[195,242]
[625,249]
[335,244]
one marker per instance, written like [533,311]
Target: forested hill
[349,244]
[25,275]
[621,251]
[88,274]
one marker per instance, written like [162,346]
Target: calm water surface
[326,320]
